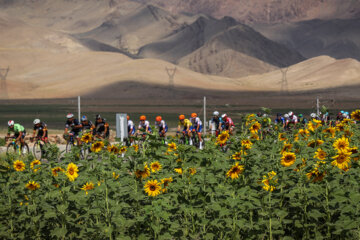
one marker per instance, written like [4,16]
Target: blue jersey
[281,120]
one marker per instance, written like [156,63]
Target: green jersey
[17,128]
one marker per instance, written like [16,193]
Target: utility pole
[171,74]
[204,115]
[284,82]
[79,109]
[317,107]
[3,87]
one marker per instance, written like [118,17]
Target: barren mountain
[336,38]
[265,11]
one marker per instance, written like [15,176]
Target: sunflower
[165,182]
[282,137]
[254,137]
[354,150]
[269,181]
[286,148]
[320,154]
[222,138]
[355,115]
[97,146]
[88,186]
[143,173]
[310,126]
[288,159]
[342,160]
[72,171]
[56,170]
[112,149]
[340,127]
[235,170]
[330,131]
[317,123]
[32,185]
[34,163]
[155,166]
[115,176]
[255,127]
[152,188]
[19,166]
[136,147]
[341,144]
[316,175]
[300,166]
[192,171]
[348,133]
[86,138]
[178,170]
[172,147]
[236,156]
[123,149]
[304,132]
[314,143]
[246,142]
[347,121]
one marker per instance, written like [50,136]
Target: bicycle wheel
[24,149]
[69,146]
[11,148]
[37,150]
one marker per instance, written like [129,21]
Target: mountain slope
[336,38]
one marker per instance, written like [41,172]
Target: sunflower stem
[107,210]
[270,228]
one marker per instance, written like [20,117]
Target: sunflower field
[266,184]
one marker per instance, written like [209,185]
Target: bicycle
[38,148]
[13,147]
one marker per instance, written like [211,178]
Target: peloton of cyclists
[186,124]
[41,129]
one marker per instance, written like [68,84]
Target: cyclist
[144,125]
[87,125]
[42,131]
[101,129]
[74,126]
[217,120]
[292,120]
[18,130]
[187,127]
[197,127]
[161,125]
[131,126]
[302,120]
[280,120]
[228,123]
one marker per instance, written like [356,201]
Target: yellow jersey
[186,123]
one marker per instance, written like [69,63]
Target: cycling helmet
[11,123]
[286,115]
[128,117]
[142,118]
[193,115]
[224,115]
[98,116]
[36,121]
[342,111]
[84,118]
[291,113]
[300,115]
[216,113]
[265,115]
[158,118]
[181,117]
[70,115]
[313,115]
[344,115]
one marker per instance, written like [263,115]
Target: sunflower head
[342,160]
[97,146]
[178,170]
[315,175]
[320,154]
[136,147]
[355,115]
[314,143]
[155,166]
[152,188]
[286,148]
[235,170]
[143,173]
[19,166]
[172,147]
[88,186]
[86,138]
[222,138]
[282,137]
[112,149]
[341,144]
[236,156]
[35,163]
[269,181]
[288,159]
[165,182]
[255,127]
[32,185]
[72,171]
[115,176]
[192,171]
[56,170]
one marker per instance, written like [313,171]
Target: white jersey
[196,121]
[294,119]
[144,125]
[131,124]
[162,124]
